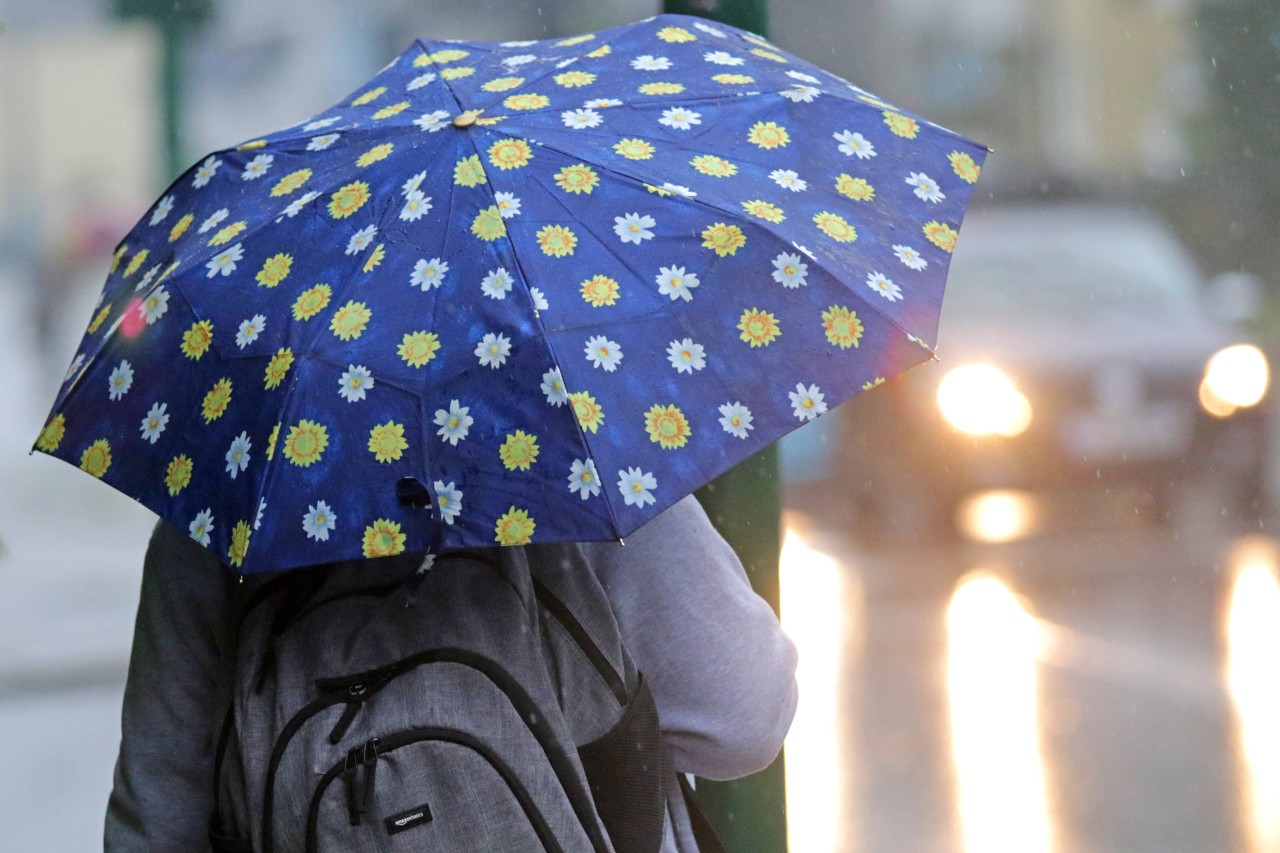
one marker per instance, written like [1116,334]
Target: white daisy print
[120,381]
[238,455]
[155,306]
[540,302]
[804,249]
[200,526]
[881,284]
[319,124]
[602,103]
[413,184]
[76,364]
[636,486]
[788,180]
[212,221]
[676,283]
[910,257]
[553,387]
[225,261]
[581,119]
[353,384]
[147,277]
[736,419]
[295,206]
[249,330]
[807,403]
[789,271]
[708,29]
[428,274]
[686,356]
[633,228]
[454,423]
[854,145]
[155,422]
[361,239]
[318,521]
[603,353]
[493,350]
[205,172]
[448,499]
[925,187]
[651,63]
[507,203]
[416,206]
[431,122]
[161,210]
[519,59]
[323,141]
[262,509]
[583,479]
[497,284]
[802,77]
[720,57]
[800,94]
[676,189]
[257,167]
[420,81]
[680,118]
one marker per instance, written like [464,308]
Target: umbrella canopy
[510,293]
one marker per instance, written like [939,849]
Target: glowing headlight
[981,400]
[1235,377]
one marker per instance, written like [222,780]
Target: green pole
[173,20]
[171,35]
[745,505]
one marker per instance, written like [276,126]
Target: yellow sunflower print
[96,458]
[964,166]
[306,442]
[842,326]
[488,224]
[347,199]
[383,539]
[667,427]
[278,367]
[557,240]
[52,434]
[291,182]
[941,235]
[274,270]
[197,340]
[578,178]
[835,227]
[768,135]
[468,172]
[375,154]
[574,79]
[600,290]
[418,348]
[723,239]
[215,403]
[634,149]
[508,154]
[759,328]
[716,167]
[855,188]
[515,527]
[312,301]
[177,476]
[227,233]
[765,210]
[386,441]
[239,543]
[901,125]
[526,101]
[350,320]
[180,227]
[519,451]
[589,413]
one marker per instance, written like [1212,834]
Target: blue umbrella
[511,293]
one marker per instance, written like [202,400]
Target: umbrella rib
[555,359]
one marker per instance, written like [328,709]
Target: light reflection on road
[820,604]
[993,646]
[1253,645]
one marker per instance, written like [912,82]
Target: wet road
[1074,698]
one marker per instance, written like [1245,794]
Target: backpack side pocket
[628,772]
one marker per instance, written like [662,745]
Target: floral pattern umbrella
[511,293]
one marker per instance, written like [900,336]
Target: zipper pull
[350,767]
[354,704]
[371,769]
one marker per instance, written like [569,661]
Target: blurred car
[1082,357]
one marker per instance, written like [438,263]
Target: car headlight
[1234,377]
[981,399]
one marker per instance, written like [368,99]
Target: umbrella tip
[464,119]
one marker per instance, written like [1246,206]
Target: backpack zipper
[360,786]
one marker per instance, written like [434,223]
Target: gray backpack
[483,703]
